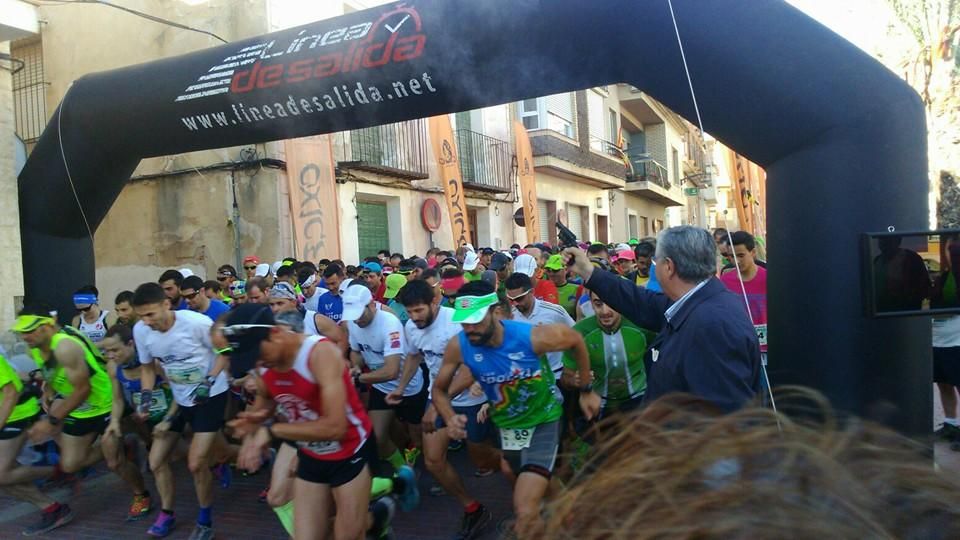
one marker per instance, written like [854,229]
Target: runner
[505,358]
[310,285]
[325,420]
[124,309]
[330,304]
[527,308]
[568,292]
[124,370]
[250,263]
[171,281]
[238,292]
[19,411]
[92,321]
[428,331]
[178,344]
[616,348]
[192,291]
[377,342]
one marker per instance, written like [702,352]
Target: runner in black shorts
[19,411]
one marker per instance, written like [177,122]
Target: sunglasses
[223,278]
[84,309]
[516,299]
[254,267]
[191,296]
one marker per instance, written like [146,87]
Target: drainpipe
[238,256]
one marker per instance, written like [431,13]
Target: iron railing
[486,163]
[605,147]
[398,150]
[29,90]
[646,169]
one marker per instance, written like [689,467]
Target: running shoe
[411,455]
[948,432]
[139,508]
[380,487]
[409,497]
[163,526]
[455,446]
[471,524]
[202,532]
[50,519]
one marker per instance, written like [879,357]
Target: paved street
[102,501]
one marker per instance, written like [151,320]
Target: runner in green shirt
[616,348]
[567,292]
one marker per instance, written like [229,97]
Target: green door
[373,228]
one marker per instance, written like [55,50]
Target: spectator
[598,251]
[706,343]
[373,275]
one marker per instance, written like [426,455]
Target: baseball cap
[246,327]
[263,270]
[621,247]
[449,261]
[633,241]
[186,272]
[395,282]
[344,284]
[626,255]
[372,267]
[487,251]
[355,299]
[499,261]
[28,323]
[469,247]
[555,262]
[470,261]
[420,263]
[275,266]
[525,264]
[251,259]
[472,309]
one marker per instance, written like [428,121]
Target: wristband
[225,350]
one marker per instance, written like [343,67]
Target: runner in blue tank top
[507,359]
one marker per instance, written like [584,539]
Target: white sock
[952,421]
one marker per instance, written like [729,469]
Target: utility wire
[138,14]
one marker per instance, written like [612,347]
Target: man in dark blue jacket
[706,345]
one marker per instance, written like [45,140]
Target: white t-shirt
[184,352]
[431,342]
[946,332]
[313,302]
[547,313]
[381,338]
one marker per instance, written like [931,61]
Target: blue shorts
[476,432]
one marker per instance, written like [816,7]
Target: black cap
[420,263]
[406,266]
[246,326]
[487,251]
[499,261]
[449,261]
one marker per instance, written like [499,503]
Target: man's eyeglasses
[253,267]
[516,299]
[191,296]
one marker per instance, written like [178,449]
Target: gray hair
[692,250]
[292,319]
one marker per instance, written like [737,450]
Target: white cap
[344,284]
[186,272]
[621,247]
[263,270]
[470,261]
[525,264]
[355,299]
[469,247]
[275,266]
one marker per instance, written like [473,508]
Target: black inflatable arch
[841,138]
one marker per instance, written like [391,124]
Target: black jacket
[709,348]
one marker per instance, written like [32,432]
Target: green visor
[472,309]
[28,323]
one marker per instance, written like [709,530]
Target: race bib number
[516,439]
[190,375]
[158,405]
[761,330]
[321,447]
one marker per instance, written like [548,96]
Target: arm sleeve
[642,307]
[139,339]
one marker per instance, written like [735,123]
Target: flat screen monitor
[912,273]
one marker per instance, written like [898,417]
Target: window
[644,226]
[595,117]
[29,90]
[576,217]
[658,226]
[560,114]
[634,231]
[676,167]
[530,113]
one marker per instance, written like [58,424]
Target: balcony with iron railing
[486,163]
[398,150]
[649,177]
